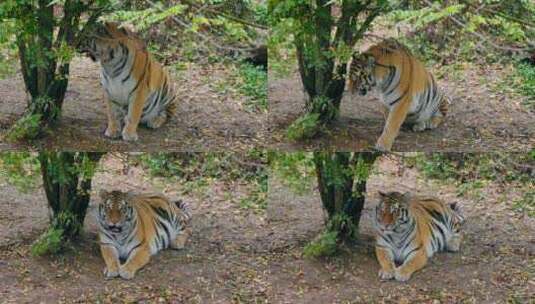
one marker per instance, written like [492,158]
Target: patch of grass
[526,204]
[324,245]
[20,169]
[50,242]
[526,86]
[28,127]
[253,84]
[306,126]
[295,169]
[435,166]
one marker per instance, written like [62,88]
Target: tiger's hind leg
[180,241]
[454,243]
[157,121]
[430,124]
[135,110]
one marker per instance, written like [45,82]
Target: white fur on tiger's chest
[117,90]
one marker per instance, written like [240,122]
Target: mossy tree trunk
[342,178]
[67,183]
[46,39]
[324,45]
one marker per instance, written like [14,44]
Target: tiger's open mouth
[115,229]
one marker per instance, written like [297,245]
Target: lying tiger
[135,226]
[410,229]
[408,91]
[137,88]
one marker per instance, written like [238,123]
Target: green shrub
[526,72]
[324,245]
[28,127]
[20,169]
[305,127]
[50,242]
[253,84]
[295,169]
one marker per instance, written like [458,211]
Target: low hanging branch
[484,39]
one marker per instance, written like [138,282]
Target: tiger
[137,88]
[133,227]
[409,93]
[410,229]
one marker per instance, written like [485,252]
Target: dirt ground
[224,261]
[238,256]
[206,119]
[479,119]
[496,262]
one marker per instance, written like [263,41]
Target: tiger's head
[115,213]
[108,42]
[361,77]
[392,212]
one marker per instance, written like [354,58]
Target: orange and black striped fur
[137,88]
[408,91]
[135,226]
[410,229]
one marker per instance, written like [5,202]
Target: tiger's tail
[444,105]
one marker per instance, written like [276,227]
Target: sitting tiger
[410,229]
[408,91]
[137,88]
[135,226]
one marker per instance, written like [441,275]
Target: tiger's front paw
[401,276]
[125,274]
[386,275]
[419,127]
[110,274]
[382,145]
[129,136]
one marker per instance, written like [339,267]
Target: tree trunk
[67,183]
[45,60]
[324,32]
[342,180]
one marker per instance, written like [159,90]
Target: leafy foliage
[196,170]
[254,85]
[197,30]
[472,30]
[20,169]
[526,85]
[50,242]
[295,169]
[471,172]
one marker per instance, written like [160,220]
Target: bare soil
[223,262]
[481,117]
[496,262]
[206,118]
